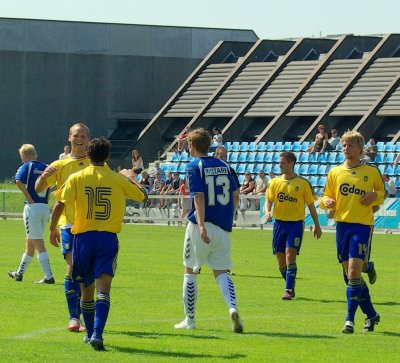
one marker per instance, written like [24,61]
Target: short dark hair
[289,157]
[98,149]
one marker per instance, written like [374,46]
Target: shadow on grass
[390,334]
[149,335]
[175,354]
[291,335]
[387,303]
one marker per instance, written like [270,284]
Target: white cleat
[186,324]
[237,325]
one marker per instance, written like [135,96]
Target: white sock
[189,295]
[24,263]
[227,289]
[43,259]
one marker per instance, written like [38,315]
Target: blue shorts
[353,240]
[94,253]
[67,239]
[287,234]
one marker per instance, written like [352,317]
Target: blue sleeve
[22,173]
[194,179]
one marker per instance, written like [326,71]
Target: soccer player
[289,192]
[97,195]
[352,190]
[56,174]
[215,197]
[36,214]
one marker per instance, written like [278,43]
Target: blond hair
[200,139]
[355,138]
[28,151]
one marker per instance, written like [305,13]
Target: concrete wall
[53,74]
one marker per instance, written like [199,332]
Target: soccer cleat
[372,274]
[86,339]
[370,323]
[186,324]
[49,281]
[97,343]
[237,325]
[288,295]
[348,327]
[74,325]
[15,275]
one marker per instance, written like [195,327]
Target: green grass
[146,302]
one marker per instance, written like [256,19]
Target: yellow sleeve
[52,179]
[132,191]
[67,192]
[270,193]
[379,188]
[328,191]
[309,195]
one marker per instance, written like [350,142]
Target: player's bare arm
[317,228]
[55,216]
[328,202]
[267,210]
[40,184]
[22,188]
[368,198]
[200,213]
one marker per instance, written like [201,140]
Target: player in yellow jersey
[56,174]
[290,193]
[98,197]
[353,189]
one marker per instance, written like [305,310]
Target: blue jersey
[27,175]
[212,177]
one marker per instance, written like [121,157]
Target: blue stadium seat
[390,170]
[340,159]
[313,158]
[380,146]
[323,158]
[191,158]
[244,146]
[184,156]
[322,170]
[275,158]
[268,157]
[314,181]
[173,167]
[235,146]
[322,181]
[296,168]
[258,168]
[379,158]
[241,179]
[389,159]
[296,146]
[242,157]
[304,169]
[397,147]
[398,184]
[250,168]
[261,146]
[287,146]
[313,169]
[305,145]
[251,157]
[304,157]
[241,168]
[389,146]
[276,170]
[382,168]
[339,147]
[165,167]
[233,166]
[278,146]
[268,168]
[227,145]
[175,157]
[269,146]
[182,168]
[332,158]
[252,146]
[260,157]
[397,171]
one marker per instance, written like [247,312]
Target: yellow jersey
[289,197]
[346,186]
[98,196]
[66,167]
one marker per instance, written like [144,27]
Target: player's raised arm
[41,183]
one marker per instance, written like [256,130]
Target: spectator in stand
[321,140]
[390,185]
[145,181]
[261,186]
[216,139]
[182,141]
[247,187]
[156,169]
[66,152]
[137,163]
[173,188]
[333,142]
[158,185]
[168,182]
[371,151]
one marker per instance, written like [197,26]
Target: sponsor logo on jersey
[345,189]
[216,170]
[282,197]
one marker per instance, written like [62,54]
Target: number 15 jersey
[212,177]
[98,195]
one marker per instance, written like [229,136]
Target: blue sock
[345,278]
[365,302]
[72,290]
[87,308]
[283,272]
[353,294]
[291,276]
[369,266]
[78,308]
[102,309]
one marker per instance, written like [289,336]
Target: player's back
[213,177]
[28,173]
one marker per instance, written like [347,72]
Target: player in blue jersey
[98,196]
[36,214]
[214,199]
[289,193]
[353,189]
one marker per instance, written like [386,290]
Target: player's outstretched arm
[55,216]
[40,184]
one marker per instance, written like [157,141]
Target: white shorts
[216,254]
[35,218]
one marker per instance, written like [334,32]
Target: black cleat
[49,281]
[370,323]
[372,274]
[97,344]
[348,327]
[288,295]
[15,275]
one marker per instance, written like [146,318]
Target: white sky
[268,18]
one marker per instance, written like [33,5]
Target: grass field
[146,302]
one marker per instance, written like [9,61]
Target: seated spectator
[390,185]
[145,181]
[216,140]
[137,162]
[261,186]
[321,140]
[167,183]
[371,151]
[173,188]
[332,142]
[182,141]
[156,169]
[158,185]
[66,152]
[247,187]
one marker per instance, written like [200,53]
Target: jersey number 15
[98,202]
